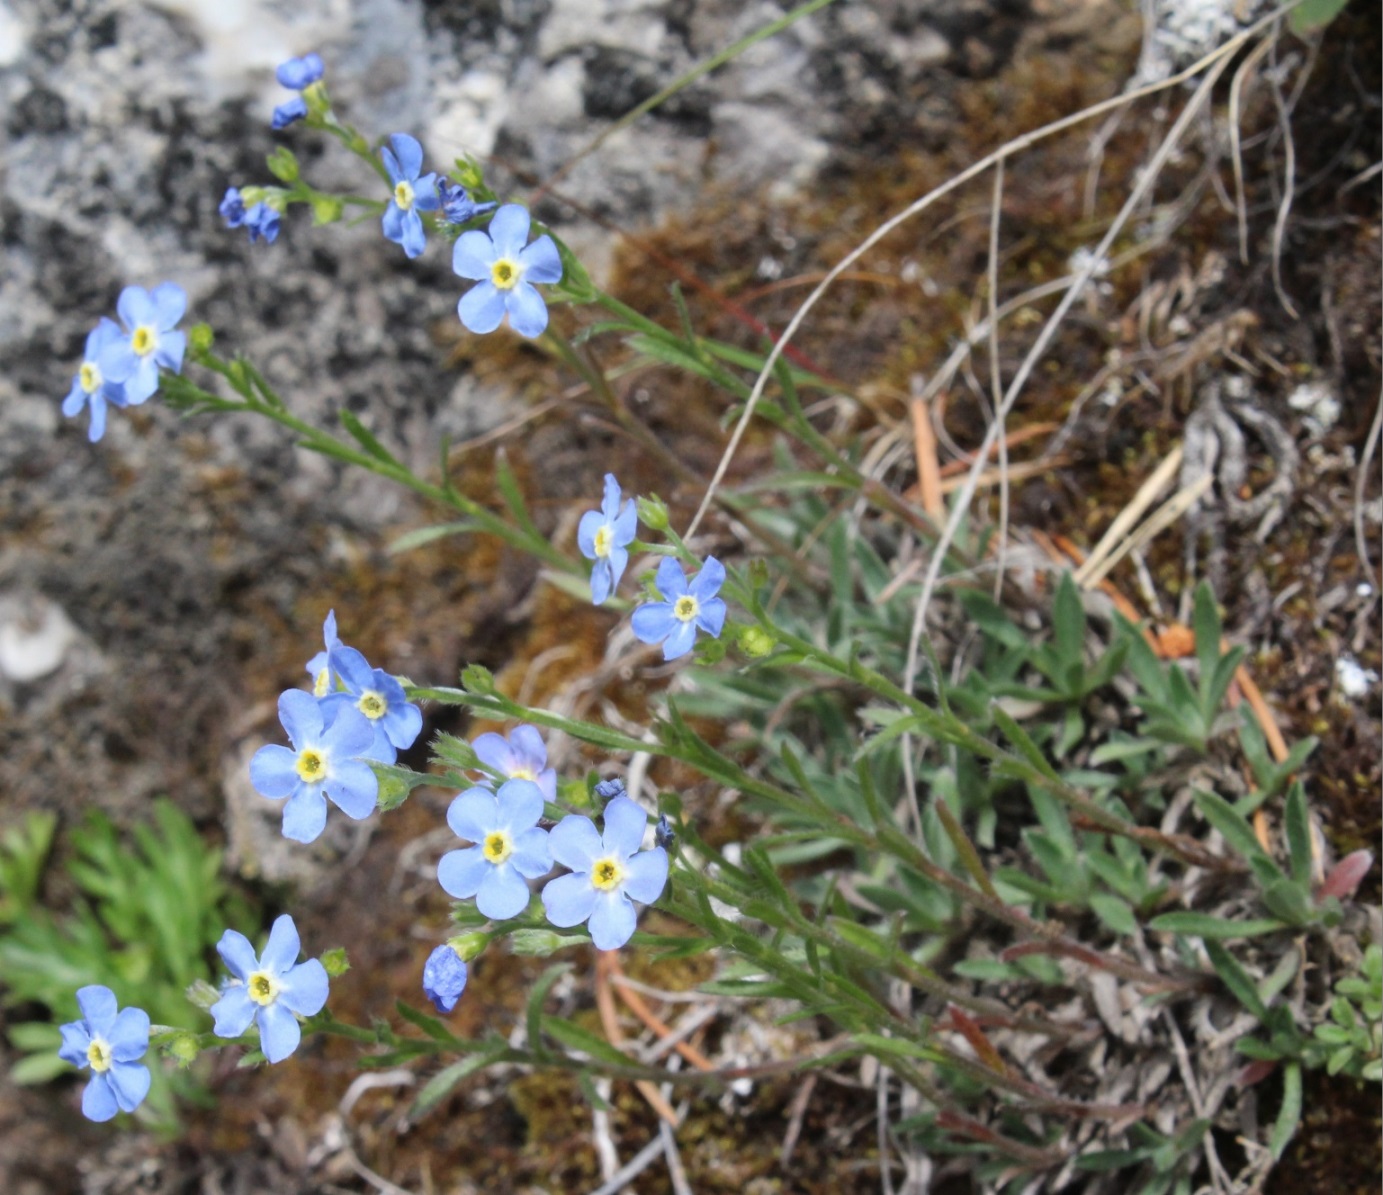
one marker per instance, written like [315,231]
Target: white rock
[34,639]
[1355,680]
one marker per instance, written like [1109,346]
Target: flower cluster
[260,219]
[297,74]
[120,366]
[354,714]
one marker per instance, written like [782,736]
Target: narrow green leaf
[1298,822]
[351,422]
[1019,737]
[1202,925]
[1235,829]
[428,1024]
[1114,912]
[1236,979]
[441,1085]
[425,535]
[1290,1116]
[573,1037]
[535,1004]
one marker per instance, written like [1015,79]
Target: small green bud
[469,946]
[710,651]
[468,173]
[250,196]
[478,679]
[283,164]
[183,1049]
[315,95]
[756,642]
[200,338]
[539,943]
[653,513]
[202,994]
[326,209]
[336,962]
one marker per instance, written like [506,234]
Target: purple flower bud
[444,978]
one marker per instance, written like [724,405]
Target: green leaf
[1298,834]
[1290,1116]
[38,1068]
[441,1085]
[1205,622]
[1236,979]
[425,535]
[1311,15]
[1114,912]
[512,493]
[535,1004]
[428,1024]
[1202,925]
[1234,828]
[573,1037]
[1068,623]
[1020,738]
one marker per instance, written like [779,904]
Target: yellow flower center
[498,847]
[322,685]
[144,339]
[604,540]
[311,766]
[403,194]
[505,273]
[372,705]
[262,988]
[99,1055]
[686,608]
[522,774]
[607,874]
[90,377]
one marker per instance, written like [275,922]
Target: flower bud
[283,164]
[336,962]
[468,946]
[200,338]
[756,642]
[653,513]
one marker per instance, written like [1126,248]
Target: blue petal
[76,1040]
[98,1100]
[381,750]
[301,717]
[350,733]
[473,814]
[141,385]
[305,987]
[402,724]
[171,347]
[527,311]
[473,255]
[353,669]
[288,112]
[481,308]
[232,208]
[568,900]
[708,580]
[99,1007]
[646,875]
[353,788]
[627,525]
[711,617]
[130,1084]
[602,581]
[279,1034]
[520,805]
[575,843]
[653,622]
[494,751]
[625,822]
[502,893]
[329,637]
[129,1036]
[462,872]
[609,504]
[170,305]
[135,307]
[238,954]
[671,581]
[532,856]
[76,398]
[529,749]
[681,641]
[298,73]
[409,153]
[541,261]
[612,921]
[616,563]
[283,947]
[509,230]
[414,235]
[273,772]
[104,333]
[305,814]
[118,360]
[425,193]
[233,1012]
[98,418]
[591,522]
[392,223]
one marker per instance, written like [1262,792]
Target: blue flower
[522,756]
[326,761]
[289,112]
[260,220]
[457,205]
[380,698]
[603,535]
[111,1043]
[506,267]
[298,74]
[509,846]
[232,208]
[319,667]
[608,873]
[149,341]
[674,621]
[412,193]
[608,790]
[444,978]
[90,387]
[268,990]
